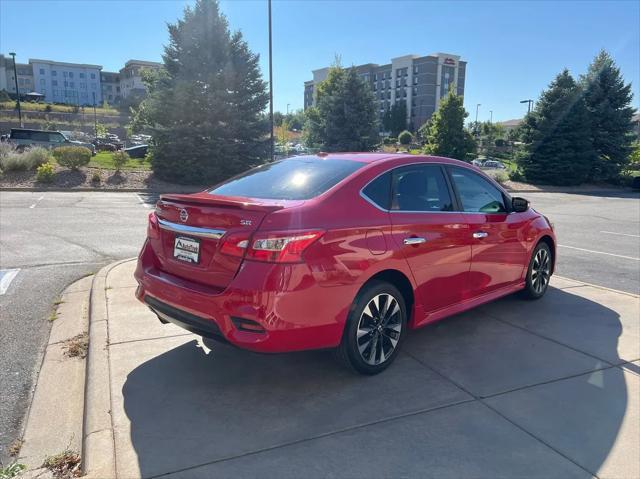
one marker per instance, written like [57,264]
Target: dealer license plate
[186,249]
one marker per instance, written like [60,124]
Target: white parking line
[619,234]
[142,202]
[599,252]
[6,276]
[37,201]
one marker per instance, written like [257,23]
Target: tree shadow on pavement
[186,408]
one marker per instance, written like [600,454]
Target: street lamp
[270,85]
[477,129]
[15,77]
[490,116]
[95,118]
[288,108]
[530,102]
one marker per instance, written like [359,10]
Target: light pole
[270,85]
[476,125]
[529,102]
[288,108]
[95,118]
[490,116]
[15,77]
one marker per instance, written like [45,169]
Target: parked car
[23,137]
[138,151]
[476,163]
[493,164]
[344,251]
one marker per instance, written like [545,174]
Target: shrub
[390,140]
[15,161]
[96,178]
[45,173]
[37,156]
[6,149]
[72,156]
[405,137]
[516,175]
[120,159]
[501,177]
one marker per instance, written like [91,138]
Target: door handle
[414,240]
[480,234]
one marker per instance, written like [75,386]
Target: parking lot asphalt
[49,240]
[54,238]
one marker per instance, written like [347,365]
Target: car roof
[379,157]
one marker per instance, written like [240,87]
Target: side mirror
[519,205]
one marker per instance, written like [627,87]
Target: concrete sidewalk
[513,389]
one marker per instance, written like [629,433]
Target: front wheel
[539,272]
[374,330]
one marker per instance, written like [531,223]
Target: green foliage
[72,156]
[120,159]
[45,173]
[634,157]
[405,137]
[344,118]
[390,140]
[445,133]
[558,147]
[15,161]
[12,470]
[395,118]
[516,175]
[4,96]
[101,130]
[96,178]
[205,108]
[37,156]
[501,177]
[608,102]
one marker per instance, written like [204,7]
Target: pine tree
[608,100]
[445,134]
[206,108]
[344,118]
[558,148]
[395,118]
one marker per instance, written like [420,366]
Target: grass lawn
[104,159]
[29,106]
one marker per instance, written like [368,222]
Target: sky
[513,48]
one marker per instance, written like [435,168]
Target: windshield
[293,179]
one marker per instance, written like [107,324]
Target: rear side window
[20,134]
[420,188]
[379,191]
[476,193]
[293,179]
[40,136]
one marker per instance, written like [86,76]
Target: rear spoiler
[205,198]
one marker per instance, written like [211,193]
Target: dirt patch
[82,178]
[65,465]
[77,346]
[14,448]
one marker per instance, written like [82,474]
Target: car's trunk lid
[202,222]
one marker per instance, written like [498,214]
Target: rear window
[294,179]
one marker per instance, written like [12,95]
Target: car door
[497,235]
[431,235]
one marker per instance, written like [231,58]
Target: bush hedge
[120,159]
[405,137]
[45,173]
[72,156]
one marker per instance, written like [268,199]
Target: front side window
[293,179]
[420,188]
[477,194]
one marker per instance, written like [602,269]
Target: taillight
[281,247]
[235,244]
[152,229]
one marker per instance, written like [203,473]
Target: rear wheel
[539,272]
[374,330]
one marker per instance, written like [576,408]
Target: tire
[372,352]
[539,272]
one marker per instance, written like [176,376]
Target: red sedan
[344,251]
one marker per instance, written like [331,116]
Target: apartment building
[71,83]
[131,77]
[74,83]
[420,81]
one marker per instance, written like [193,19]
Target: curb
[54,418]
[98,446]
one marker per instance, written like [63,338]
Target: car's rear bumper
[266,308]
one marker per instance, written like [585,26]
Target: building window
[42,81]
[93,86]
[71,85]
[389,95]
[54,73]
[81,75]
[375,77]
[65,74]
[42,71]
[21,81]
[70,74]
[415,69]
[375,87]
[415,90]
[56,92]
[415,80]
[54,83]
[397,83]
[93,76]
